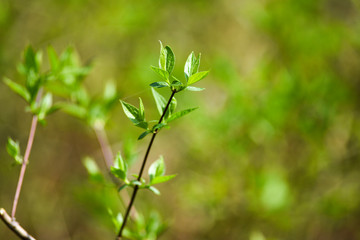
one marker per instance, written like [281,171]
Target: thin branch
[108,159]
[15,226]
[24,164]
[136,188]
[26,156]
[105,146]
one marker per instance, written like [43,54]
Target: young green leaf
[73,109]
[141,110]
[158,126]
[32,59]
[45,106]
[154,190]
[13,150]
[166,59]
[197,77]
[110,91]
[120,168]
[118,173]
[18,89]
[162,58]
[160,101]
[144,134]
[130,111]
[159,84]
[53,58]
[180,114]
[172,106]
[194,89]
[192,65]
[170,60]
[92,169]
[163,74]
[134,114]
[157,168]
[161,179]
[119,162]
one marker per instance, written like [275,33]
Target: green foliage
[93,169]
[136,115]
[13,150]
[120,168]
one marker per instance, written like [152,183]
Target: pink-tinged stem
[24,163]
[109,159]
[105,146]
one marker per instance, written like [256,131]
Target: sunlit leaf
[159,84]
[157,168]
[17,88]
[13,149]
[161,179]
[194,89]
[177,115]
[197,77]
[160,101]
[192,65]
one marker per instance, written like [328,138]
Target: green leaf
[118,173]
[163,74]
[180,114]
[159,84]
[92,169]
[154,190]
[116,220]
[141,110]
[91,166]
[73,109]
[194,89]
[160,101]
[144,134]
[130,111]
[197,77]
[13,149]
[119,162]
[32,59]
[192,65]
[53,58]
[161,179]
[110,91]
[134,114]
[45,106]
[166,59]
[162,58]
[17,88]
[157,168]
[172,106]
[120,167]
[170,59]
[122,187]
[158,126]
[135,183]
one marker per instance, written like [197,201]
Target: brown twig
[15,226]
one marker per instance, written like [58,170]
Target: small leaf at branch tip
[154,190]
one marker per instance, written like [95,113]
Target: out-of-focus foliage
[272,152]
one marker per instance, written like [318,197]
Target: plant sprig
[166,109]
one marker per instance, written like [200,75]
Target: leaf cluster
[166,66]
[165,69]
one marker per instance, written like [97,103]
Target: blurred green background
[272,153]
